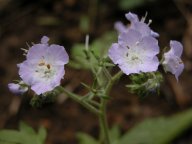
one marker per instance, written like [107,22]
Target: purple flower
[120,27]
[134,53]
[172,61]
[136,24]
[44,67]
[17,89]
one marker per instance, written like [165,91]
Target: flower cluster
[135,53]
[43,68]
[137,48]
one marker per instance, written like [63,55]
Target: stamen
[143,18]
[41,64]
[48,66]
[150,21]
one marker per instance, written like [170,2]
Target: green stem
[78,99]
[104,137]
[112,81]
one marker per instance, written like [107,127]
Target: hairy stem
[104,137]
[78,99]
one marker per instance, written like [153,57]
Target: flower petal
[120,27]
[57,54]
[116,53]
[132,17]
[149,46]
[176,48]
[129,38]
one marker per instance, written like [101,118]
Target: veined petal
[120,27]
[57,54]
[132,17]
[149,64]
[176,48]
[149,46]
[129,38]
[172,61]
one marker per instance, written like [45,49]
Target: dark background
[24,21]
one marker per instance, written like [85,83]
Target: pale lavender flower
[18,89]
[120,27]
[140,25]
[172,61]
[134,53]
[136,24]
[44,67]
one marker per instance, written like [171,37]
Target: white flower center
[133,57]
[44,70]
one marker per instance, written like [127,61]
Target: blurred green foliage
[98,47]
[159,130]
[114,135]
[25,135]
[162,130]
[128,4]
[84,23]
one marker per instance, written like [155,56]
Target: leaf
[26,135]
[114,134]
[98,49]
[26,128]
[79,59]
[86,139]
[10,136]
[158,130]
[42,133]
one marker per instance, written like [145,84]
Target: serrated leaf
[158,130]
[86,139]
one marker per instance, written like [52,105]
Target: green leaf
[26,135]
[86,139]
[98,49]
[10,136]
[79,59]
[26,128]
[42,133]
[158,130]
[114,134]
